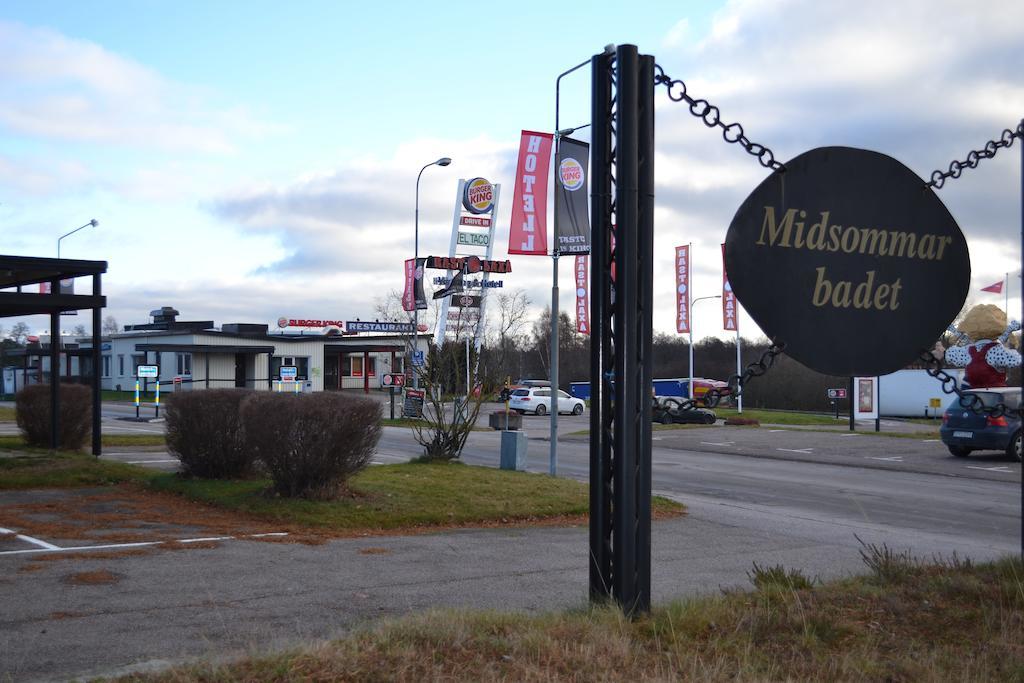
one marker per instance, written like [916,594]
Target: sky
[253,160]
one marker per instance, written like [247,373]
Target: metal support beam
[97,367]
[54,370]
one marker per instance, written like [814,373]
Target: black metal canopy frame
[19,272]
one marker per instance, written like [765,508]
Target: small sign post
[147,372]
[413,404]
[392,380]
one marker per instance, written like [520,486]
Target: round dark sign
[850,260]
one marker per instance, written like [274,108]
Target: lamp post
[694,301]
[443,161]
[92,223]
[608,49]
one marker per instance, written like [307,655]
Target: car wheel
[577,409]
[709,419]
[665,418]
[963,451]
[1013,449]
[541,410]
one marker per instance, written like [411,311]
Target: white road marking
[29,539]
[717,443]
[805,451]
[991,469]
[850,434]
[772,431]
[49,548]
[894,458]
[931,440]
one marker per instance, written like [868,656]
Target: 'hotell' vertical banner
[528,233]
[572,221]
[683,289]
[582,297]
[729,319]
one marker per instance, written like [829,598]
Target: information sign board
[837,393]
[148,371]
[289,373]
[392,379]
[413,404]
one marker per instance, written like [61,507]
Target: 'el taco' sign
[850,260]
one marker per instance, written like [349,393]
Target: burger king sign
[478,195]
[570,172]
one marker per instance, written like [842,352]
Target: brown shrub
[32,411]
[310,444]
[204,430]
[741,422]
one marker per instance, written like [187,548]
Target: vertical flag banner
[572,222]
[412,296]
[683,289]
[582,296]
[729,320]
[528,233]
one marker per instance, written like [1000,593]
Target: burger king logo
[571,174]
[478,196]
[282,322]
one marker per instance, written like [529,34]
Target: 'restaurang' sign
[374,326]
[849,259]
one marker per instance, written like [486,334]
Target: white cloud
[55,87]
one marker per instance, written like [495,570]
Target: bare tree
[79,330]
[110,326]
[19,332]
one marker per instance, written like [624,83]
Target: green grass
[16,443]
[44,470]
[7,414]
[903,621]
[406,496]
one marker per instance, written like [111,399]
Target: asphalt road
[797,498]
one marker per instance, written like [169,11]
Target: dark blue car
[964,431]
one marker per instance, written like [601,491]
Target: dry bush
[32,410]
[204,430]
[310,444]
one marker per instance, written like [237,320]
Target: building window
[137,360]
[185,364]
[120,365]
[372,366]
[357,366]
[106,365]
[346,365]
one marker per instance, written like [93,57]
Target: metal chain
[737,382]
[968,401]
[712,117]
[973,158]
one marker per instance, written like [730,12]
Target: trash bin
[514,446]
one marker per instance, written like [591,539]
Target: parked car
[669,411]
[964,431]
[537,400]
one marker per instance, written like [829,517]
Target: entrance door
[331,367]
[240,370]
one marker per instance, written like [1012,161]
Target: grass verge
[410,496]
[62,470]
[905,621]
[779,417]
[16,443]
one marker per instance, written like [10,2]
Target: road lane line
[29,539]
[998,468]
[893,458]
[805,451]
[715,443]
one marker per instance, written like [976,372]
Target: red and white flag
[997,288]
[582,297]
[683,289]
[729,318]
[528,234]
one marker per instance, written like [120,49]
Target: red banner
[528,234]
[582,297]
[409,294]
[729,313]
[683,289]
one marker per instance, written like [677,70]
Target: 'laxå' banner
[682,289]
[528,234]
[729,319]
[582,297]
[413,297]
[572,223]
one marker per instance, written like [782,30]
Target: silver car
[537,400]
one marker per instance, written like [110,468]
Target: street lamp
[700,298]
[443,161]
[92,223]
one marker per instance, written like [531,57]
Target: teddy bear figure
[981,346]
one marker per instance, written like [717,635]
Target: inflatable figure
[981,347]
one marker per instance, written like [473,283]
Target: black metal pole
[852,399]
[1021,409]
[97,440]
[878,404]
[54,369]
[645,249]
[600,346]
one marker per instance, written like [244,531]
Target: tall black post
[97,437]
[1022,318]
[600,328]
[622,149]
[54,369]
